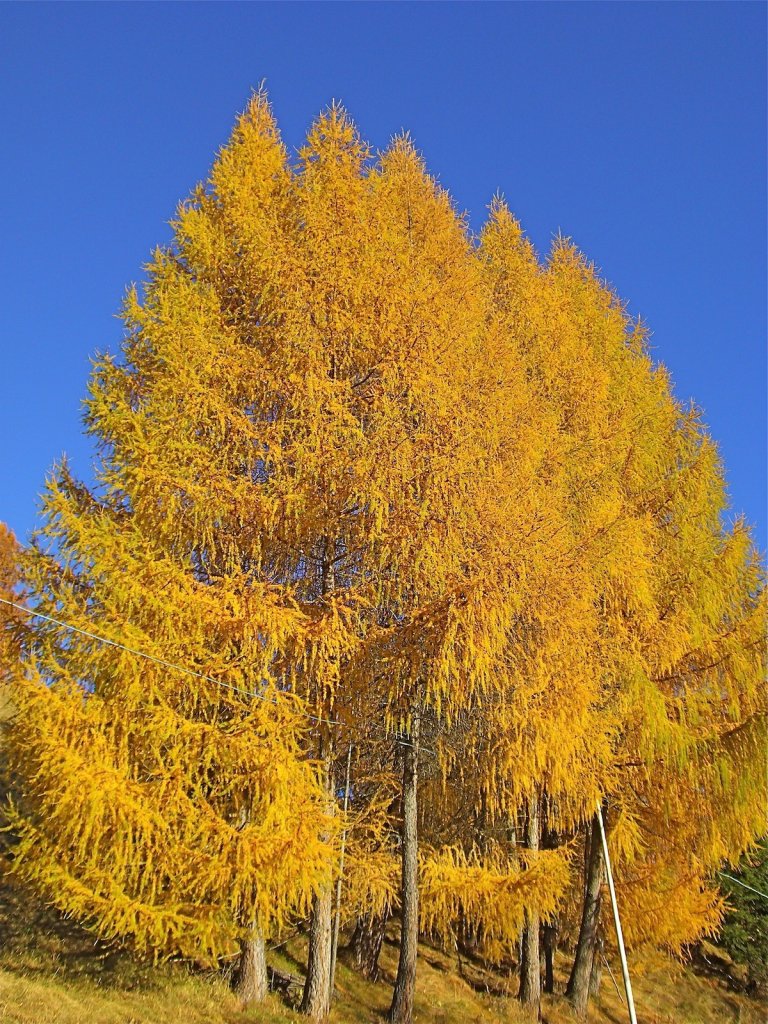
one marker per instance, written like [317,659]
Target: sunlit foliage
[365,479]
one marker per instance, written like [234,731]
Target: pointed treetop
[334,136]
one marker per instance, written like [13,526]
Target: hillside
[52,972]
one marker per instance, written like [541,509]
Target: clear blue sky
[637,129]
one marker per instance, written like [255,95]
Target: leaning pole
[617,921]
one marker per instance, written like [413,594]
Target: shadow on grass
[37,940]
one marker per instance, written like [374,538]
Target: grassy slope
[49,978]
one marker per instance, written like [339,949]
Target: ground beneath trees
[52,972]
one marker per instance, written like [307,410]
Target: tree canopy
[367,483]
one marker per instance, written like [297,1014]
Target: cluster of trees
[423,562]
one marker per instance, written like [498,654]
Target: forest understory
[53,972]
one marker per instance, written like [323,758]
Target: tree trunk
[250,982]
[596,973]
[340,879]
[530,958]
[366,941]
[470,935]
[578,983]
[551,929]
[401,1011]
[549,936]
[316,1000]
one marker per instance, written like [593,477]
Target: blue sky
[637,129]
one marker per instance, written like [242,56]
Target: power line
[743,884]
[157,661]
[179,668]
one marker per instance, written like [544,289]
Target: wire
[744,884]
[179,668]
[157,661]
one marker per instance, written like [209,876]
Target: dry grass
[53,973]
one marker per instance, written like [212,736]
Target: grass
[52,972]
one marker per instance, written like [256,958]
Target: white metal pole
[617,922]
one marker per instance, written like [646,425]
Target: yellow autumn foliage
[490,890]
[358,468]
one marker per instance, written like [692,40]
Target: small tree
[744,931]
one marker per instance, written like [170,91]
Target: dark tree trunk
[401,1011]
[596,973]
[365,944]
[549,937]
[470,936]
[530,957]
[551,929]
[250,981]
[578,983]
